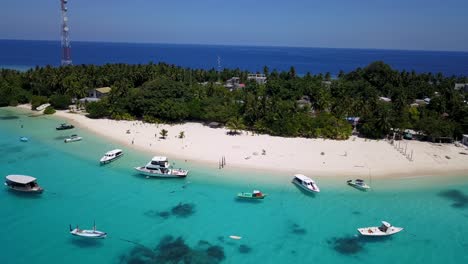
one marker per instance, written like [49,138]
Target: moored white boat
[111,156]
[358,184]
[23,183]
[73,138]
[159,167]
[386,229]
[305,183]
[93,233]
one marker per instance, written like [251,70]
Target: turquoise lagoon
[287,227]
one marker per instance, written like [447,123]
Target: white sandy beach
[315,157]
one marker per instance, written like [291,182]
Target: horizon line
[238,45]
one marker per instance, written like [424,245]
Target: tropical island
[375,102]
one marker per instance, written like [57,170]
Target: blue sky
[387,24]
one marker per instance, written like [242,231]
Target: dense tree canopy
[287,105]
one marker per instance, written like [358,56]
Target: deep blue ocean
[22,55]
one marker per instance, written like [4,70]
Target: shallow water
[287,227]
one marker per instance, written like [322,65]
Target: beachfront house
[96,94]
[259,78]
[461,87]
[465,140]
[99,92]
[234,84]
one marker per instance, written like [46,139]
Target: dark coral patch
[216,252]
[183,210]
[172,250]
[459,199]
[244,249]
[347,245]
[298,230]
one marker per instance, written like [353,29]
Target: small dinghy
[386,229]
[256,194]
[88,233]
[23,139]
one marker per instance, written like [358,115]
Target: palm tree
[163,133]
[235,124]
[181,134]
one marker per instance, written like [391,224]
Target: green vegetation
[163,133]
[287,105]
[49,110]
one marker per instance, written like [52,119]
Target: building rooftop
[104,90]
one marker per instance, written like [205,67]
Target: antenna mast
[66,49]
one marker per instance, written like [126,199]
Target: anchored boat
[255,195]
[111,156]
[93,233]
[73,138]
[386,229]
[358,184]
[23,183]
[305,183]
[64,126]
[159,167]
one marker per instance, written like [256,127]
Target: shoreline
[352,158]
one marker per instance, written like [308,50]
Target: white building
[259,78]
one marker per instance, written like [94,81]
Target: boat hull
[92,234]
[72,140]
[317,190]
[360,187]
[154,173]
[104,161]
[249,196]
[37,190]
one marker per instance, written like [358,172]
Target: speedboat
[23,183]
[64,126]
[73,138]
[386,229]
[305,183]
[23,139]
[256,194]
[358,184]
[93,233]
[159,167]
[111,156]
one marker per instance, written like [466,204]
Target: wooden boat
[64,126]
[358,184]
[23,183]
[255,195]
[386,229]
[111,156]
[93,233]
[73,138]
[305,183]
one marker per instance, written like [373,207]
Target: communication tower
[66,48]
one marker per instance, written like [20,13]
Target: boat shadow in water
[86,242]
[354,244]
[251,201]
[26,195]
[61,138]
